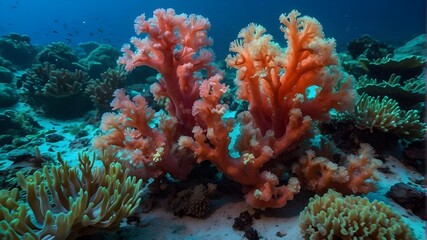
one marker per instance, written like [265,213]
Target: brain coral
[333,216]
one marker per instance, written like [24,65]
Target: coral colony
[272,147]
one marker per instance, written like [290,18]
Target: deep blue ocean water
[108,21]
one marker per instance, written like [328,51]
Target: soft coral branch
[275,82]
[175,46]
[211,143]
[147,150]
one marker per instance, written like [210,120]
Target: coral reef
[100,91]
[59,92]
[367,47]
[17,49]
[280,113]
[59,54]
[99,60]
[266,123]
[14,125]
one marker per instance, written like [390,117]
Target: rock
[409,198]
[416,46]
[54,138]
[17,49]
[6,76]
[8,95]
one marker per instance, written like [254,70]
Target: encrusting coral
[333,216]
[63,202]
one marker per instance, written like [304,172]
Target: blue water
[109,21]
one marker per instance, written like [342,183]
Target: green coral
[64,202]
[385,115]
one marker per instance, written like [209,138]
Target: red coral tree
[175,45]
[276,84]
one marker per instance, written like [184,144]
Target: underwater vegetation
[271,122]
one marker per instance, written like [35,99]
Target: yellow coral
[333,216]
[64,201]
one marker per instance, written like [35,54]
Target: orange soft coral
[355,176]
[211,142]
[275,82]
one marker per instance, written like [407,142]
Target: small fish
[91,34]
[65,25]
[12,7]
[56,20]
[100,30]
[69,34]
[54,31]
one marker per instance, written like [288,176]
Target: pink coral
[175,45]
